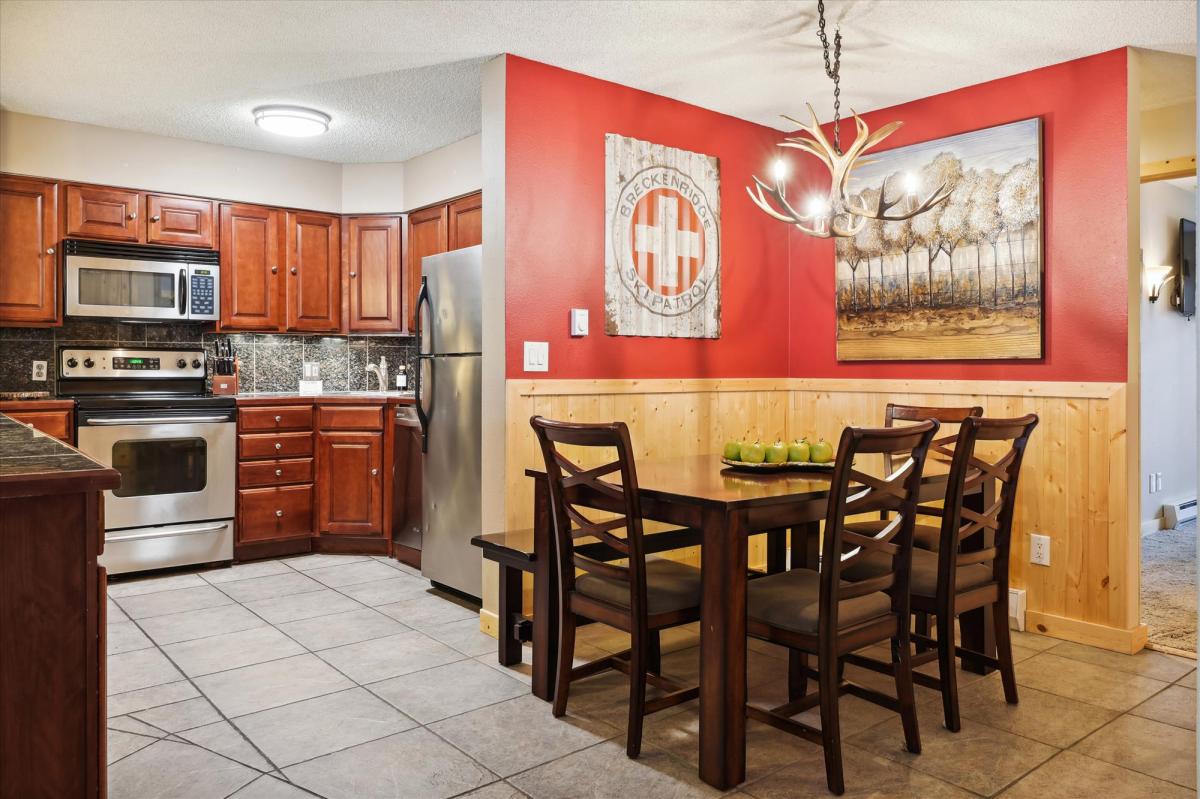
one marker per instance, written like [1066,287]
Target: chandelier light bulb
[817,206]
[911,183]
[779,170]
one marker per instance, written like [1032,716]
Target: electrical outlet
[1039,549]
[39,371]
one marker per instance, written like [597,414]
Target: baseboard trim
[1082,632]
[489,623]
[1151,525]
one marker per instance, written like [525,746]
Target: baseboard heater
[1176,513]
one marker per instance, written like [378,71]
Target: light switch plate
[39,371]
[579,322]
[537,356]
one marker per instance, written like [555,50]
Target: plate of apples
[800,455]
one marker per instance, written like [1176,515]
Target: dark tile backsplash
[270,362]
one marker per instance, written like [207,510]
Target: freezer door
[452,320]
[452,485]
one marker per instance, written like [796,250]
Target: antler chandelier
[835,215]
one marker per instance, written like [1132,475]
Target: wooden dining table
[726,507]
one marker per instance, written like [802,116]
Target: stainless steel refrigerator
[449,407]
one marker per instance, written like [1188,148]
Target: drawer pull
[49,251]
[279,472]
[278,445]
[374,472]
[278,418]
[274,270]
[155,218]
[278,513]
[133,215]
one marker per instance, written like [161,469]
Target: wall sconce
[1158,279]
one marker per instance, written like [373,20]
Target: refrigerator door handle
[423,299]
[423,389]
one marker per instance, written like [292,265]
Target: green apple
[821,452]
[798,451]
[777,452]
[753,453]
[733,450]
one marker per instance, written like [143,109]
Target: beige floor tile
[978,758]
[1049,718]
[1176,706]
[678,734]
[1073,776]
[1086,682]
[1033,640]
[867,776]
[497,790]
[1188,680]
[1147,663]
[177,770]
[1150,747]
[222,738]
[179,600]
[604,772]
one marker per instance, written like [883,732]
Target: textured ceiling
[400,79]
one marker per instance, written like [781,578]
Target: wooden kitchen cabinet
[274,514]
[350,483]
[179,221]
[465,216]
[252,250]
[100,212]
[373,274]
[52,417]
[314,280]
[29,294]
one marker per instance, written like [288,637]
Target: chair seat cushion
[924,536]
[790,600]
[670,586]
[924,572]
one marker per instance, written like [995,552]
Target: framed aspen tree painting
[962,280]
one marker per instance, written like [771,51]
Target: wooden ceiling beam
[1181,167]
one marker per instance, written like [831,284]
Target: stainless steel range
[145,413]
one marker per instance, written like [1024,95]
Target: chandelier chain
[833,71]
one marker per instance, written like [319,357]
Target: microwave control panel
[203,292]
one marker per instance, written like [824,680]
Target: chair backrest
[939,449]
[567,480]
[853,492]
[970,471]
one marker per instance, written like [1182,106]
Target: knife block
[226,384]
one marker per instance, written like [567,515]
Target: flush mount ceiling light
[835,214]
[291,120]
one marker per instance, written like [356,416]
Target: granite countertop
[33,463]
[390,397]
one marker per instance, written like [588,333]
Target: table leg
[806,545]
[508,651]
[545,595]
[776,551]
[977,626]
[723,651]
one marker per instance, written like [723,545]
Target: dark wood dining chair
[961,575]
[819,613]
[640,598]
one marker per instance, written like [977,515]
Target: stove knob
[195,363]
[181,363]
[88,363]
[72,363]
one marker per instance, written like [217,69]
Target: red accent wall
[778,285]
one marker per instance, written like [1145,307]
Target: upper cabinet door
[184,221]
[427,235]
[95,212]
[251,255]
[314,278]
[373,274]
[466,221]
[28,251]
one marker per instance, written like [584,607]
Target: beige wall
[1168,132]
[372,188]
[443,173]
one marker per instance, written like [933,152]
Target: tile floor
[342,676]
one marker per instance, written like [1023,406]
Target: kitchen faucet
[380,371]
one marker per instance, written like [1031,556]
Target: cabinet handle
[294,270]
[155,218]
[49,251]
[374,472]
[274,270]
[279,472]
[354,274]
[278,445]
[278,419]
[278,513]
[133,214]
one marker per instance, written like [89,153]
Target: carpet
[1169,586]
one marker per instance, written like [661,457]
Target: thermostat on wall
[579,322]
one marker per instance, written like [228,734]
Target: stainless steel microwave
[141,283]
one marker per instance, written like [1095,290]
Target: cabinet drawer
[275,445]
[294,417]
[270,473]
[52,423]
[350,417]
[270,513]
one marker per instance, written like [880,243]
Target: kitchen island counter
[35,464]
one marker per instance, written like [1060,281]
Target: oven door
[176,466]
[126,288]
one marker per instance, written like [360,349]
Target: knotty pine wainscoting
[1077,484]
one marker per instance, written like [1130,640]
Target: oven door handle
[208,528]
[158,420]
